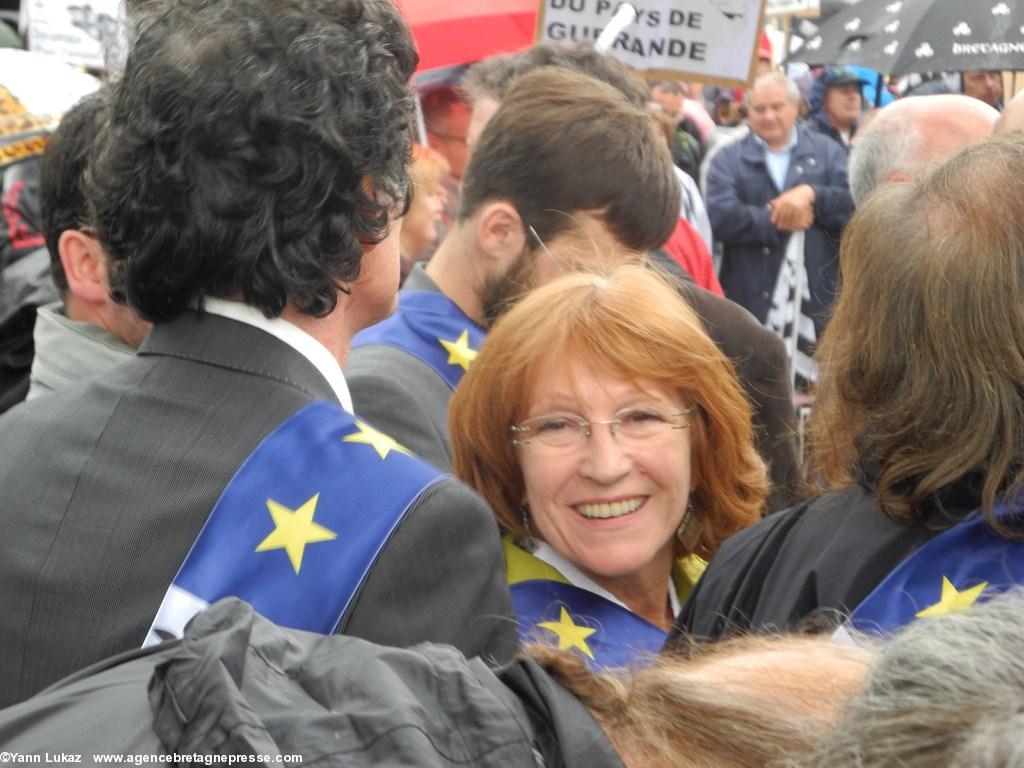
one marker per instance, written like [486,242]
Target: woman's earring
[524,511]
[689,530]
[525,539]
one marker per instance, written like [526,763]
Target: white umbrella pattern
[897,37]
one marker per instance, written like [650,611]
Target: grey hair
[914,132]
[774,78]
[994,742]
[940,688]
[886,146]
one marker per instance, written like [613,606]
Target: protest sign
[713,40]
[87,33]
[793,7]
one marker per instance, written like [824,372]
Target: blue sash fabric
[602,633]
[298,527]
[430,327]
[965,564]
[552,611]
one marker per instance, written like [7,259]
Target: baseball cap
[842,76]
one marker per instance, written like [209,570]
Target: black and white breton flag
[789,315]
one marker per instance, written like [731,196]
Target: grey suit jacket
[401,395]
[106,485]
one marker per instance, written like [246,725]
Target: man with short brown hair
[415,404]
[537,185]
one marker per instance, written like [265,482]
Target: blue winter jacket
[739,189]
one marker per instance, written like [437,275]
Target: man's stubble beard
[501,292]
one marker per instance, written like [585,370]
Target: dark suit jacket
[739,188]
[810,566]
[106,485]
[760,359]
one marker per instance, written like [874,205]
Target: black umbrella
[896,37]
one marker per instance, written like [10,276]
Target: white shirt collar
[577,578]
[790,143]
[290,334]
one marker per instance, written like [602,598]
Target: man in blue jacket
[836,104]
[780,179]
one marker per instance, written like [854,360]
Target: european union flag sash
[967,563]
[605,634]
[298,527]
[430,327]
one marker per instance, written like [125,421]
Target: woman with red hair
[612,439]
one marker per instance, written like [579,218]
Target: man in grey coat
[90,329]
[282,696]
[246,187]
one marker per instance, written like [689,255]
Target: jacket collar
[214,340]
[949,505]
[753,152]
[804,153]
[419,280]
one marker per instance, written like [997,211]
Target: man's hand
[793,210]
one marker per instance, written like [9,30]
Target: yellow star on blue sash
[382,444]
[570,635]
[294,529]
[459,351]
[952,600]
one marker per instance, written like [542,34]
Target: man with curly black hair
[247,188]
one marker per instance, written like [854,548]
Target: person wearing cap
[836,104]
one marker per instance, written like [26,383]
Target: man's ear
[500,232]
[85,266]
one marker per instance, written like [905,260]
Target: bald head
[913,133]
[1012,118]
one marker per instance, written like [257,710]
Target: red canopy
[451,32]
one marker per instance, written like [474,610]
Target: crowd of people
[548,503]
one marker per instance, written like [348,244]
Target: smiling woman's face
[611,504]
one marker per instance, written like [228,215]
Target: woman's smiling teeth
[612,509]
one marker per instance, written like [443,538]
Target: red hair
[631,323]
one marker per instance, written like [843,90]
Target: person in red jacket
[688,250]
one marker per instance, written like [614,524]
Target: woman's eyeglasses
[566,431]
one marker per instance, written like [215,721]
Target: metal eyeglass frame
[586,426]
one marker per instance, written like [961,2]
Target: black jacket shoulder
[818,560]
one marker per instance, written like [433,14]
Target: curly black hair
[252,148]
